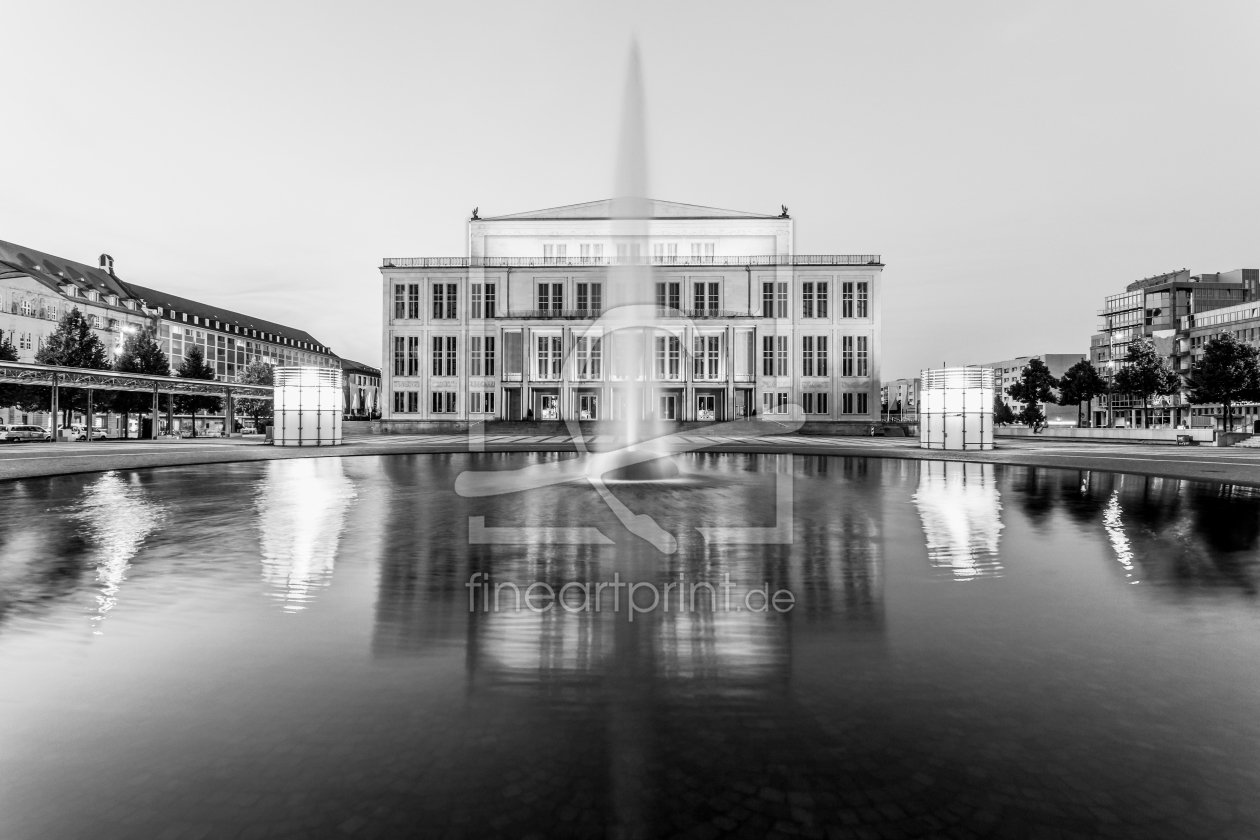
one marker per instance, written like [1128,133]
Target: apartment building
[362,390]
[563,313]
[1243,322]
[1158,308]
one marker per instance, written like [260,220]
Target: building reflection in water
[115,516]
[960,508]
[832,568]
[301,506]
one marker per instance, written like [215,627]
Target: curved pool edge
[1223,466]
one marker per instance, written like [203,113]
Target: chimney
[107,264]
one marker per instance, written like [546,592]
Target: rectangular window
[846,403]
[767,355]
[554,254]
[774,300]
[590,298]
[442,402]
[400,357]
[444,355]
[549,357]
[551,297]
[668,357]
[445,299]
[861,403]
[807,354]
[592,253]
[814,403]
[807,303]
[589,357]
[413,402]
[668,296]
[703,252]
[481,402]
[400,401]
[820,309]
[706,358]
[820,354]
[705,298]
[400,301]
[846,300]
[813,300]
[665,252]
[780,355]
[846,355]
[477,299]
[862,356]
[774,403]
[413,355]
[863,300]
[413,300]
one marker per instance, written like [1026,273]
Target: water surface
[287,649]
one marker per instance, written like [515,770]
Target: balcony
[552,314]
[546,262]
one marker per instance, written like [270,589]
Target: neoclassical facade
[563,313]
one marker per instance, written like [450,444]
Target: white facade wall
[733,256]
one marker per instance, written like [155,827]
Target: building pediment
[639,208]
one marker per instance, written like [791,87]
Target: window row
[705,297]
[667,356]
[443,402]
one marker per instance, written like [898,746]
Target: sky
[1013,163]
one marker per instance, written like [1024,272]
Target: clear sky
[1012,162]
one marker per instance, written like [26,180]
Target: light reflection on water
[961,508]
[386,698]
[302,507]
[116,516]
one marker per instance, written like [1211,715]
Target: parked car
[17,434]
[79,432]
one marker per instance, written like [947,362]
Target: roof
[52,271]
[639,208]
[350,364]
[169,302]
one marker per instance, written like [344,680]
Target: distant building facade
[362,386]
[1162,308]
[37,289]
[1243,322]
[1007,373]
[743,326]
[900,399]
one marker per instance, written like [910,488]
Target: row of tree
[75,344]
[1227,373]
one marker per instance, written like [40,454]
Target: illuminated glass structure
[956,408]
[308,406]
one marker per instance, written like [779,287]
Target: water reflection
[301,506]
[115,517]
[1115,531]
[960,508]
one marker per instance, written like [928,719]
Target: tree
[1146,374]
[1002,414]
[1081,383]
[194,367]
[11,394]
[256,372]
[1033,388]
[141,353]
[1227,372]
[72,344]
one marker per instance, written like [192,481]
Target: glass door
[550,407]
[704,407]
[587,406]
[668,407]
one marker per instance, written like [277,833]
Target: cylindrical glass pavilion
[308,406]
[956,408]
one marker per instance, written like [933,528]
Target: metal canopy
[110,380]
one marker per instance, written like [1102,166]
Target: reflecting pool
[332,647]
